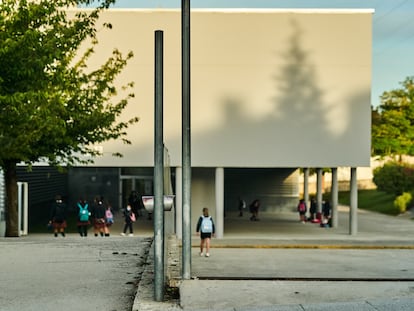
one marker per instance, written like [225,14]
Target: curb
[144,298]
[314,246]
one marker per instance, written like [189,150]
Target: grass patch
[371,200]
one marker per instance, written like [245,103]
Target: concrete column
[219,222]
[353,212]
[306,186]
[319,190]
[178,203]
[334,197]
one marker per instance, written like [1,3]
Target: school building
[272,91]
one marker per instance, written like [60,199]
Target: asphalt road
[40,272]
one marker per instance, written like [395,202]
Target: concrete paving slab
[279,263]
[400,304]
[218,295]
[332,264]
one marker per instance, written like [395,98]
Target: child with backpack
[206,229]
[109,219]
[302,210]
[129,221]
[82,208]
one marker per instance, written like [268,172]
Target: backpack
[302,207]
[109,217]
[207,225]
[83,212]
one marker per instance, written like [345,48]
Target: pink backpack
[109,216]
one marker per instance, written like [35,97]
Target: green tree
[394,177]
[52,107]
[393,122]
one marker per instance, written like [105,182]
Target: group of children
[99,215]
[314,217]
[102,218]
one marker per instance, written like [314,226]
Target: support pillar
[353,211]
[219,223]
[306,186]
[319,190]
[334,197]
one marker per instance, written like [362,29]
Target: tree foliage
[52,106]
[402,201]
[393,122]
[394,178]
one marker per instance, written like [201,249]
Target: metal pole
[158,172]
[353,211]
[186,139]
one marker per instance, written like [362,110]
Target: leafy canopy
[52,107]
[393,122]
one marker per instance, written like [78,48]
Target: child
[58,216]
[109,220]
[83,213]
[206,229]
[129,220]
[302,210]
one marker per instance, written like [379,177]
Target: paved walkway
[279,263]
[276,263]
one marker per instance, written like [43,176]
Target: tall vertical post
[306,185]
[159,172]
[353,211]
[319,190]
[178,202]
[186,140]
[334,197]
[219,202]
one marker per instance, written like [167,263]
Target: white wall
[270,88]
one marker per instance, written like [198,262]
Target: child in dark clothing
[129,220]
[58,216]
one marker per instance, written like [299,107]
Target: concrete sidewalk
[279,263]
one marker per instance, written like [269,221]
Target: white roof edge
[246,10]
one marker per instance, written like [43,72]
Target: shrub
[394,177]
[402,201]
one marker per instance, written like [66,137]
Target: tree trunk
[12,217]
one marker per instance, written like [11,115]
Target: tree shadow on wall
[300,129]
[297,107]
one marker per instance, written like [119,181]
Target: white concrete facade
[269,89]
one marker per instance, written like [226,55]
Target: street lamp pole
[159,171]
[186,140]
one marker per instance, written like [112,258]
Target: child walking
[206,229]
[129,220]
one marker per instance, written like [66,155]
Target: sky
[393,31]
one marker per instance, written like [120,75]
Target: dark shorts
[302,213]
[205,235]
